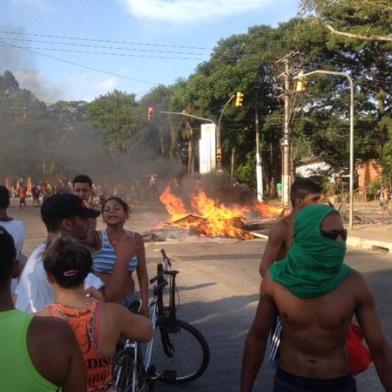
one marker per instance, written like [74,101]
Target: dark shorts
[286,382]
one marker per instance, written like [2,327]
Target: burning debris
[212,218]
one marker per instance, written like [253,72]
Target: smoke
[22,64]
[12,58]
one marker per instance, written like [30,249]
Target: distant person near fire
[22,194]
[36,194]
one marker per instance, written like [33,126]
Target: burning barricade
[211,218]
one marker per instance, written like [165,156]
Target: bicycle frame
[157,315]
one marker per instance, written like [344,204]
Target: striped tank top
[105,258]
[85,323]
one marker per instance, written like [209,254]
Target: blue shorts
[286,382]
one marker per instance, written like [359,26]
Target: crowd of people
[139,191]
[76,283]
[64,311]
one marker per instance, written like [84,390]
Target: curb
[355,242]
[363,243]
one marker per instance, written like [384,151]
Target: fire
[208,217]
[268,211]
[220,221]
[211,218]
[174,205]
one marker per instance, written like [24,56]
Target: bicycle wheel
[180,353]
[122,372]
[122,369]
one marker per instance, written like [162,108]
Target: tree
[364,22]
[116,114]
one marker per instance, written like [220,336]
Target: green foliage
[115,114]
[387,162]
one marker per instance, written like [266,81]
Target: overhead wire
[100,46]
[81,65]
[102,40]
[108,53]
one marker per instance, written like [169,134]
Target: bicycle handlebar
[165,258]
[161,271]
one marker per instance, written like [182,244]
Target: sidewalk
[368,237]
[371,237]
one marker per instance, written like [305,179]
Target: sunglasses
[334,234]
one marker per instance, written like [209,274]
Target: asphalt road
[218,287]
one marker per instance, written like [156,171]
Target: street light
[301,77]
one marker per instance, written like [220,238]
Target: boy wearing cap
[37,354]
[65,213]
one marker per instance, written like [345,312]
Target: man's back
[34,291]
[38,354]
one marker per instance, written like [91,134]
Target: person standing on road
[303,192]
[120,286]
[37,354]
[22,194]
[14,226]
[64,213]
[315,294]
[97,326]
[82,186]
[35,194]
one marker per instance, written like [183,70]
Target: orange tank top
[85,323]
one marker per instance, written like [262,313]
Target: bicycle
[182,355]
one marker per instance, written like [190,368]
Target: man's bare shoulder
[50,329]
[356,283]
[282,226]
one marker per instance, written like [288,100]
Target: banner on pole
[207,148]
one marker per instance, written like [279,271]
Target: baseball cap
[66,205]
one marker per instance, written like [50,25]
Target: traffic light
[219,155]
[239,98]
[301,83]
[150,113]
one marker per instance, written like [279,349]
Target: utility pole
[286,140]
[259,168]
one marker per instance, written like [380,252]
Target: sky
[80,49]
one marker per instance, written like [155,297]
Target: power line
[81,65]
[99,46]
[102,40]
[108,53]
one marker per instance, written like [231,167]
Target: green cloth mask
[314,264]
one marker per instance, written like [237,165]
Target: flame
[174,205]
[267,211]
[220,221]
[208,217]
[211,218]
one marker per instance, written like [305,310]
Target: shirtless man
[38,354]
[303,192]
[315,295]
